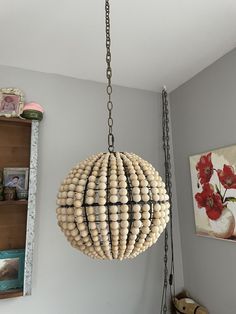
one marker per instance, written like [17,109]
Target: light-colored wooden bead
[135,230]
[84,233]
[114,225]
[122,178]
[122,184]
[74,232]
[145,230]
[137,224]
[102,186]
[69,201]
[136,198]
[113,177]
[94,232]
[103,179]
[113,191]
[146,223]
[113,209]
[102,217]
[137,216]
[102,193]
[63,211]
[115,231]
[113,217]
[124,208]
[79,196]
[103,225]
[124,231]
[70,210]
[123,192]
[90,192]
[145,198]
[81,226]
[145,215]
[124,216]
[135,183]
[113,184]
[113,199]
[136,208]
[78,203]
[92,226]
[124,199]
[157,214]
[90,200]
[91,218]
[153,184]
[102,201]
[125,224]
[79,188]
[70,194]
[70,218]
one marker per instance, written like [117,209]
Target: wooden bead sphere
[112,206]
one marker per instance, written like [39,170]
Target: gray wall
[75,126]
[204,118]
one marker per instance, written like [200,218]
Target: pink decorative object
[33,106]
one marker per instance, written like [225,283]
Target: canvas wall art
[213,175]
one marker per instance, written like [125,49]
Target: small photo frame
[16,177]
[11,102]
[11,269]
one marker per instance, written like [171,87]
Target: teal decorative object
[11,269]
[22,194]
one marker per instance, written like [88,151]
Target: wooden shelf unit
[17,216]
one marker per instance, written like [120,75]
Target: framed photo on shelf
[16,177]
[11,269]
[11,102]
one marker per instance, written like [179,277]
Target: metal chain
[109,75]
[168,175]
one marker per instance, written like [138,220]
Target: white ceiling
[154,42]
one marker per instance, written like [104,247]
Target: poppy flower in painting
[227,177]
[205,168]
[210,201]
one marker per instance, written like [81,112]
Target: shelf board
[14,202]
[11,294]
[16,120]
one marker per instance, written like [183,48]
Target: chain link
[168,175]
[111,139]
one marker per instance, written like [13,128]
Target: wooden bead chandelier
[112,205]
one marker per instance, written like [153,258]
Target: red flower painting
[227,177]
[213,197]
[205,168]
[211,201]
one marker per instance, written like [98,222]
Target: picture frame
[16,177]
[213,177]
[11,269]
[11,102]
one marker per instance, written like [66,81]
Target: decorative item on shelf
[112,205]
[33,111]
[11,102]
[16,177]
[9,193]
[185,305]
[11,269]
[214,193]
[22,195]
